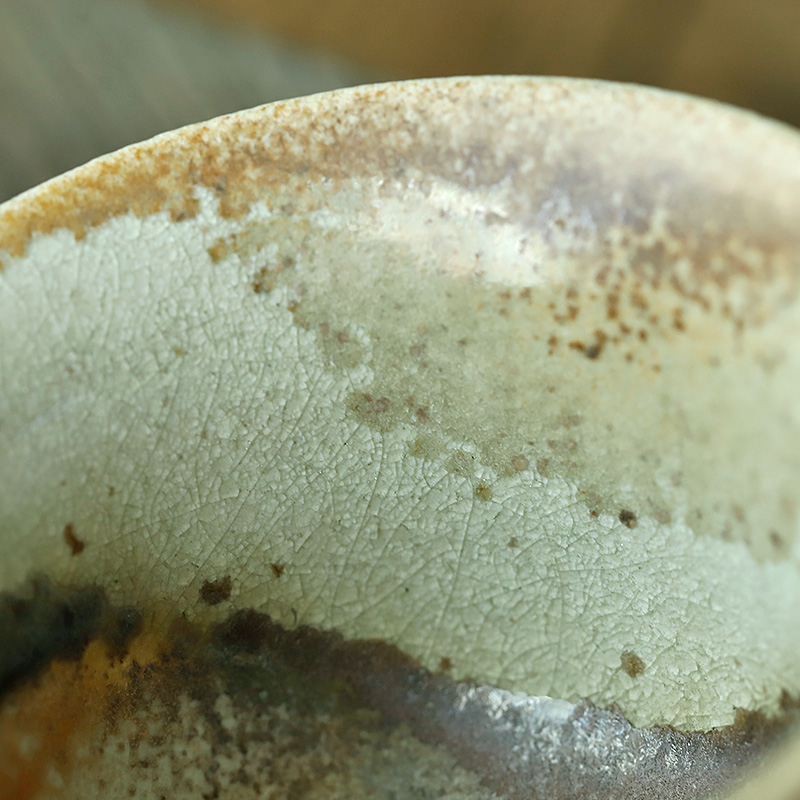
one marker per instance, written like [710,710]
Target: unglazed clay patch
[248,708]
[496,372]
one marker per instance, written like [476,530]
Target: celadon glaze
[501,371]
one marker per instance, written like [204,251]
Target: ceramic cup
[427,437]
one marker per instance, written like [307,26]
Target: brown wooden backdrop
[746,52]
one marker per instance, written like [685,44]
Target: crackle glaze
[500,371]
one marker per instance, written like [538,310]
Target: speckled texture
[182,750]
[498,370]
[249,709]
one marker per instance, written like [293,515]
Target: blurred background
[79,78]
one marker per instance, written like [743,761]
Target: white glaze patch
[224,428]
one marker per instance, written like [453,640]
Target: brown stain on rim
[387,129]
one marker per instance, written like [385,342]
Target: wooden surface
[741,51]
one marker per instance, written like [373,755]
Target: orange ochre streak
[53,723]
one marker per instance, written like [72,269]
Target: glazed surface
[497,371]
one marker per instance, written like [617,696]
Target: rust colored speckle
[601,277]
[631,664]
[277,569]
[520,463]
[264,280]
[612,306]
[218,250]
[627,518]
[513,542]
[483,492]
[638,301]
[422,415]
[593,351]
[541,466]
[215,592]
[75,545]
[445,665]
[576,345]
[368,405]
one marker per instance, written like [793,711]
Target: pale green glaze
[523,397]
